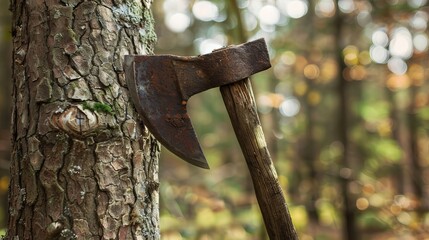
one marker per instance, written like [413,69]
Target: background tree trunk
[350,231]
[82,166]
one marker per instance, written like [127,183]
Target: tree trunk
[82,166]
[350,231]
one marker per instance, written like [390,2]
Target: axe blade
[157,101]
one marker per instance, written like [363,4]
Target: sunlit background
[345,110]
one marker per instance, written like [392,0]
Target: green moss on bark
[98,107]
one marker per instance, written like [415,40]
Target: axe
[160,86]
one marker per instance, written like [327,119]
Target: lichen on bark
[79,172]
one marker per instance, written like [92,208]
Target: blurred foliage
[379,48]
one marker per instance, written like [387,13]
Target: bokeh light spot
[289,107]
[420,42]
[208,45]
[269,15]
[404,218]
[351,54]
[296,8]
[401,44]
[293,8]
[380,38]
[205,11]
[376,200]
[325,8]
[362,204]
[178,22]
[358,73]
[364,58]
[346,6]
[368,189]
[397,66]
[397,82]
[173,6]
[311,71]
[395,209]
[250,20]
[329,70]
[351,59]
[416,3]
[364,18]
[288,58]
[379,54]
[265,104]
[419,21]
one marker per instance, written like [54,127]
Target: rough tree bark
[82,166]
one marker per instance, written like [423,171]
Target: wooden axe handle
[240,103]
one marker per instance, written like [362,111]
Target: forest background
[345,110]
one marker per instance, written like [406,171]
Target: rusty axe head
[160,86]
